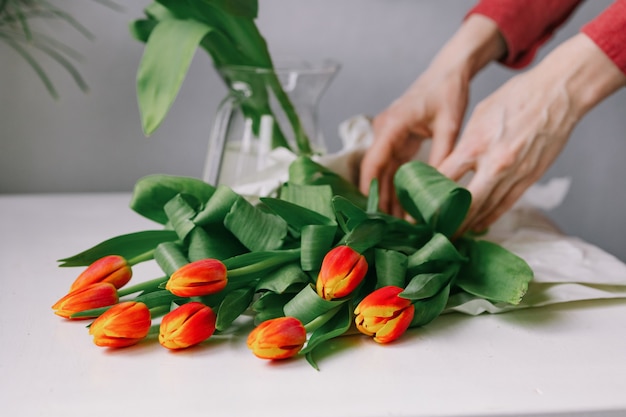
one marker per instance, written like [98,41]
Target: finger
[498,210]
[445,132]
[456,165]
[372,164]
[481,187]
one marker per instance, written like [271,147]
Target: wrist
[584,71]
[477,42]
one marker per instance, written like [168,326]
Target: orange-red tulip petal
[98,295]
[187,325]
[342,271]
[384,315]
[202,277]
[122,325]
[113,268]
[278,338]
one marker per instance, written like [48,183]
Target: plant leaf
[152,192]
[316,241]
[166,59]
[427,195]
[428,309]
[306,171]
[435,255]
[129,246]
[255,229]
[390,268]
[335,327]
[429,284]
[170,257]
[307,305]
[493,272]
[283,279]
[233,305]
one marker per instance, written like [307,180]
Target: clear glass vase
[265,110]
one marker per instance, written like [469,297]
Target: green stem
[267,264]
[142,257]
[154,331]
[160,310]
[143,286]
[321,320]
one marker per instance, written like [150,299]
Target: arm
[525,25]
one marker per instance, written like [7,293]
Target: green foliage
[18,32]
[274,250]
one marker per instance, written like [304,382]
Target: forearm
[583,71]
[476,43]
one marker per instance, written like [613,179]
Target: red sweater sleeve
[608,31]
[525,25]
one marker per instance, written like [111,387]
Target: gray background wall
[93,142]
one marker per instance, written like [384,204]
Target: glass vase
[265,110]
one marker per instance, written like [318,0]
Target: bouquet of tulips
[315,262]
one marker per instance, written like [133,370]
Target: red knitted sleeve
[608,31]
[525,25]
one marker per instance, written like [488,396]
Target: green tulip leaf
[305,171]
[348,214]
[427,285]
[152,192]
[435,255]
[316,198]
[427,195]
[493,272]
[234,304]
[130,246]
[338,325]
[390,268]
[307,305]
[296,216]
[170,257]
[218,206]
[218,244]
[428,309]
[316,241]
[283,279]
[180,213]
[365,235]
[255,229]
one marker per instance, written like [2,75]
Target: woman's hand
[432,108]
[515,134]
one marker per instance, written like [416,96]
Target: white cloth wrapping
[565,268]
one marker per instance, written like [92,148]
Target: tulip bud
[203,277]
[113,269]
[187,325]
[278,338]
[98,295]
[122,325]
[384,315]
[342,271]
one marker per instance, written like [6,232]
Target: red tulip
[98,295]
[112,268]
[384,315]
[342,271]
[187,325]
[278,338]
[203,277]
[122,325]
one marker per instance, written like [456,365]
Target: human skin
[512,136]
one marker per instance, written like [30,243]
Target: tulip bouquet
[314,262]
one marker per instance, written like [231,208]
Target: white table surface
[567,359]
